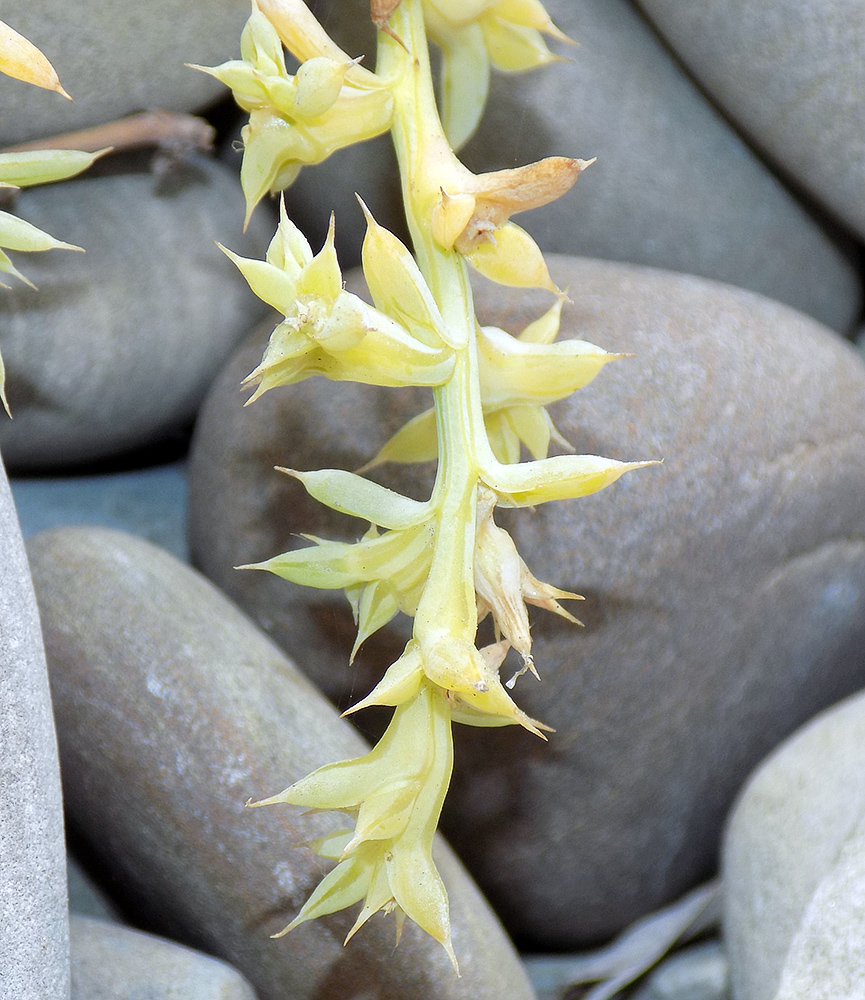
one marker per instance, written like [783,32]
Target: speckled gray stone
[791,74]
[119,344]
[34,941]
[794,867]
[725,589]
[172,710]
[114,58]
[110,962]
[674,185]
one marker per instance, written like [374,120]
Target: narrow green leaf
[44,166]
[352,494]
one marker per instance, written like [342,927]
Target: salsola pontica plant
[21,60]
[444,562]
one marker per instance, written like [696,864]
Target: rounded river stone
[117,347]
[725,588]
[34,942]
[115,58]
[794,866]
[111,962]
[791,74]
[172,710]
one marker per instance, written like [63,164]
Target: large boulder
[725,589]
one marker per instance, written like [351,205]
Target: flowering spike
[444,561]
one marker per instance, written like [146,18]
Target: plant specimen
[444,562]
[21,60]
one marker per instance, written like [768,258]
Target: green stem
[425,157]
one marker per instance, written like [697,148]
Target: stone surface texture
[119,344]
[34,942]
[725,589]
[700,972]
[116,58]
[794,867]
[172,710]
[791,74]
[674,185]
[110,962]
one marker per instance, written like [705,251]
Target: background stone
[34,943]
[119,344]
[110,962]
[115,58]
[150,502]
[674,185]
[726,588]
[794,873]
[172,710]
[791,74]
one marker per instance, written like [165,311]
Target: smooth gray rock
[700,972]
[119,344]
[115,58]
[794,866]
[110,962]
[34,942]
[791,74]
[725,589]
[172,710]
[674,185]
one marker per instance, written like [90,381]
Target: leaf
[377,605]
[352,494]
[513,371]
[271,284]
[559,478]
[345,885]
[398,288]
[514,259]
[402,681]
[44,166]
[413,442]
[513,47]
[545,329]
[21,60]
[326,566]
[17,234]
[465,81]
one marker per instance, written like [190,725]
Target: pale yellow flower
[473,215]
[299,119]
[504,584]
[519,377]
[329,331]
[396,792]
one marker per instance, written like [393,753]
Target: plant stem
[425,159]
